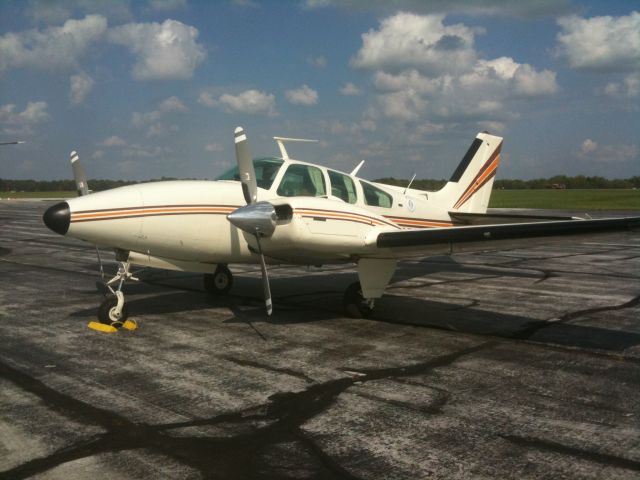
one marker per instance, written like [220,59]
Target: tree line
[63,185]
[561,181]
[557,181]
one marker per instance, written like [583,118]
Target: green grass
[38,194]
[567,199]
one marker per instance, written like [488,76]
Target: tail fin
[469,188]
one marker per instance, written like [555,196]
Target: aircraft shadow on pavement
[318,296]
[473,320]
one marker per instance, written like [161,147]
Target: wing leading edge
[423,239]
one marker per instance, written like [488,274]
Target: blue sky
[145,89]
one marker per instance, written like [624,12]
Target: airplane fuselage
[184,222]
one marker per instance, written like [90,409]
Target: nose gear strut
[113,311]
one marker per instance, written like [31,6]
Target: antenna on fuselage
[281,140]
[410,182]
[357,169]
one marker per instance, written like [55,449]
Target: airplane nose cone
[57,218]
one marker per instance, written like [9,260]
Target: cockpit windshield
[266,171]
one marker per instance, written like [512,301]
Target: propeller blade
[245,167]
[265,279]
[78,175]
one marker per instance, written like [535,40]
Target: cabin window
[342,187]
[375,197]
[266,170]
[302,180]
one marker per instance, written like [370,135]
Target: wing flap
[465,218]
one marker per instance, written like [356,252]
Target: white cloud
[244,3]
[113,141]
[50,12]
[172,104]
[214,147]
[426,70]
[54,47]
[409,80]
[80,86]
[630,86]
[318,62]
[588,146]
[14,122]
[402,105]
[601,43]
[152,121]
[530,83]
[591,150]
[145,151]
[207,100]
[349,89]
[163,51]
[421,42]
[524,8]
[139,119]
[166,5]
[302,96]
[250,101]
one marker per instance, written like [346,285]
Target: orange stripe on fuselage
[340,216]
[417,222]
[146,211]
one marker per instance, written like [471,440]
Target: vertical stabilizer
[469,188]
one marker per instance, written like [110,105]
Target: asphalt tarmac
[511,363]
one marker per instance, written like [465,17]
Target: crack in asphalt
[269,368]
[244,455]
[551,446]
[534,327]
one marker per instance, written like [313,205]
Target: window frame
[353,184]
[364,184]
[298,193]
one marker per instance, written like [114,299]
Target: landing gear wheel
[107,313]
[355,305]
[219,282]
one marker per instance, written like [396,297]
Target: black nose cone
[57,218]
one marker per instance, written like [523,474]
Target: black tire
[219,282]
[105,312]
[354,303]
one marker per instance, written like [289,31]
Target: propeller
[78,175]
[245,167]
[255,218]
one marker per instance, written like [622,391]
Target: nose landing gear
[112,311]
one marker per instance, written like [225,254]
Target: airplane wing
[477,237]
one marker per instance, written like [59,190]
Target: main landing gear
[354,303]
[218,282]
[112,310]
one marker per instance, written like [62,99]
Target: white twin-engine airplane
[283,211]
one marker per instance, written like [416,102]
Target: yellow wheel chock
[103,327]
